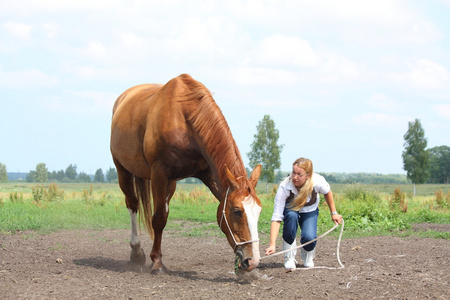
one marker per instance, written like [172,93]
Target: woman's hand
[336,218]
[274,228]
[270,250]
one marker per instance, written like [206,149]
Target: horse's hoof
[138,258]
[156,271]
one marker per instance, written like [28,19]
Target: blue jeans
[308,226]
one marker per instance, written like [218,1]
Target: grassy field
[367,209]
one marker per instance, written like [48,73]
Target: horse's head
[238,216]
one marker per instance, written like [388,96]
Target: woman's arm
[335,217]
[274,229]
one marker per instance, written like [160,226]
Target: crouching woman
[296,204]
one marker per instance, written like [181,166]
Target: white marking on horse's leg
[137,255]
[253,210]
[134,240]
[167,204]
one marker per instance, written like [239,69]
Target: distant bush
[195,196]
[366,211]
[53,193]
[398,201]
[442,200]
[356,192]
[16,197]
[365,178]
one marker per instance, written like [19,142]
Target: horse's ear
[231,179]
[254,177]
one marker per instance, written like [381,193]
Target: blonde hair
[307,187]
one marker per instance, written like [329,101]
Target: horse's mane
[209,123]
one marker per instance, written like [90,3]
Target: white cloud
[423,74]
[384,103]
[421,32]
[18,29]
[251,76]
[27,79]
[82,102]
[87,72]
[51,29]
[96,50]
[253,9]
[27,7]
[194,39]
[286,51]
[380,120]
[383,11]
[338,69]
[368,23]
[443,110]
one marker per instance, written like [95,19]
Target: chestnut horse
[164,133]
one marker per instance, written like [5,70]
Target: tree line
[41,175]
[422,165]
[70,175]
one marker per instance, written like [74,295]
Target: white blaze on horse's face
[252,211]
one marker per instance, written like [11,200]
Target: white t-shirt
[320,185]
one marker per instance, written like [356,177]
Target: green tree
[60,175]
[99,177]
[265,149]
[415,157]
[41,173]
[280,175]
[439,164]
[83,177]
[71,172]
[111,175]
[3,173]
[31,176]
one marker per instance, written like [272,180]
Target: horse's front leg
[162,190]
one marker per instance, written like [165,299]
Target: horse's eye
[237,212]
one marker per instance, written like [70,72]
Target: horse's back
[149,124]
[132,96]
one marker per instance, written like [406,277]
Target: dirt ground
[87,264]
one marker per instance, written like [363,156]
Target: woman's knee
[305,238]
[308,236]
[310,247]
[290,225]
[289,237]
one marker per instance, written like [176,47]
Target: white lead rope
[224,217]
[312,241]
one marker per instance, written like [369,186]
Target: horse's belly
[127,150]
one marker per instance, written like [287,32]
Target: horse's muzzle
[244,263]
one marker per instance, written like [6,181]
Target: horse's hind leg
[137,254]
[126,182]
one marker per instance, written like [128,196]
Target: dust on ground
[89,264]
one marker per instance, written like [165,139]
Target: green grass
[67,214]
[367,210]
[421,189]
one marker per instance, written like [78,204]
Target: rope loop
[312,241]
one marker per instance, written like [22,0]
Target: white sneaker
[308,257]
[289,257]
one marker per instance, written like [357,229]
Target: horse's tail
[143,194]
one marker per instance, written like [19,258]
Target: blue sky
[341,79]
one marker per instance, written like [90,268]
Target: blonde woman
[296,204]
